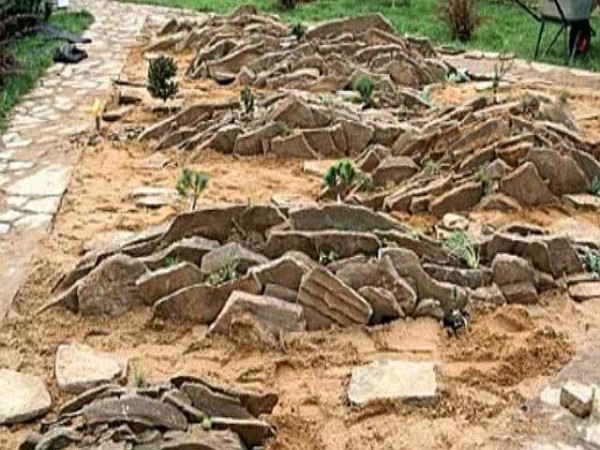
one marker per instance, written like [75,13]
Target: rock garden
[284,236]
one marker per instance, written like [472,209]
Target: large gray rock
[523,293]
[315,243]
[350,25]
[461,198]
[202,303]
[271,314]
[22,397]
[384,304]
[79,367]
[158,284]
[581,292]
[190,250]
[408,265]
[135,410]
[380,273]
[551,253]
[394,169]
[228,254]
[326,295]
[286,271]
[110,288]
[197,438]
[578,398]
[509,269]
[392,380]
[562,172]
[526,185]
[214,403]
[341,217]
[253,432]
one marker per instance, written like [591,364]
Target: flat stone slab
[79,367]
[401,380]
[585,291]
[22,397]
[49,181]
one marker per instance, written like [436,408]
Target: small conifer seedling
[191,184]
[161,72]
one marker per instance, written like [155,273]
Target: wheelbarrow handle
[529,11]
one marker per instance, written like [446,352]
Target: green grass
[34,55]
[505,26]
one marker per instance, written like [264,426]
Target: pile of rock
[273,269]
[290,125]
[485,155]
[263,51]
[185,413]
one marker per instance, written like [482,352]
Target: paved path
[36,155]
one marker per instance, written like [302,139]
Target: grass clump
[298,30]
[592,262]
[431,167]
[365,86]
[229,272]
[344,177]
[461,244]
[248,100]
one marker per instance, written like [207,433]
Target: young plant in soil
[327,257]
[343,177]
[299,30]
[431,167]
[484,177]
[227,273]
[161,72]
[460,243]
[595,187]
[366,87]
[501,68]
[592,262]
[190,185]
[248,100]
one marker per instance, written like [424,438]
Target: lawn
[34,55]
[505,27]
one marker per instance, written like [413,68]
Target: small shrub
[299,30]
[344,176]
[327,257]
[191,183]
[564,97]
[483,176]
[206,423]
[431,167]
[160,74]
[227,273]
[501,68]
[139,379]
[592,262]
[595,187]
[248,100]
[366,87]
[460,243]
[171,261]
[461,17]
[288,5]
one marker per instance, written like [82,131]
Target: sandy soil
[486,377]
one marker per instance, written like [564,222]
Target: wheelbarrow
[573,17]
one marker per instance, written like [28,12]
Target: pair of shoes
[70,54]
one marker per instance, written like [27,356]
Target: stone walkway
[36,156]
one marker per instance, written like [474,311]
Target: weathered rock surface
[340,217]
[578,398]
[390,380]
[79,367]
[384,304]
[202,303]
[272,314]
[585,291]
[135,410]
[509,269]
[286,271]
[163,282]
[325,294]
[228,254]
[22,397]
[110,288]
[526,185]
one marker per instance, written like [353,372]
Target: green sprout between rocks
[161,72]
[365,86]
[191,183]
[248,100]
[229,272]
[461,244]
[342,177]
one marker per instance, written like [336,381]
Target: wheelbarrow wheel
[580,37]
